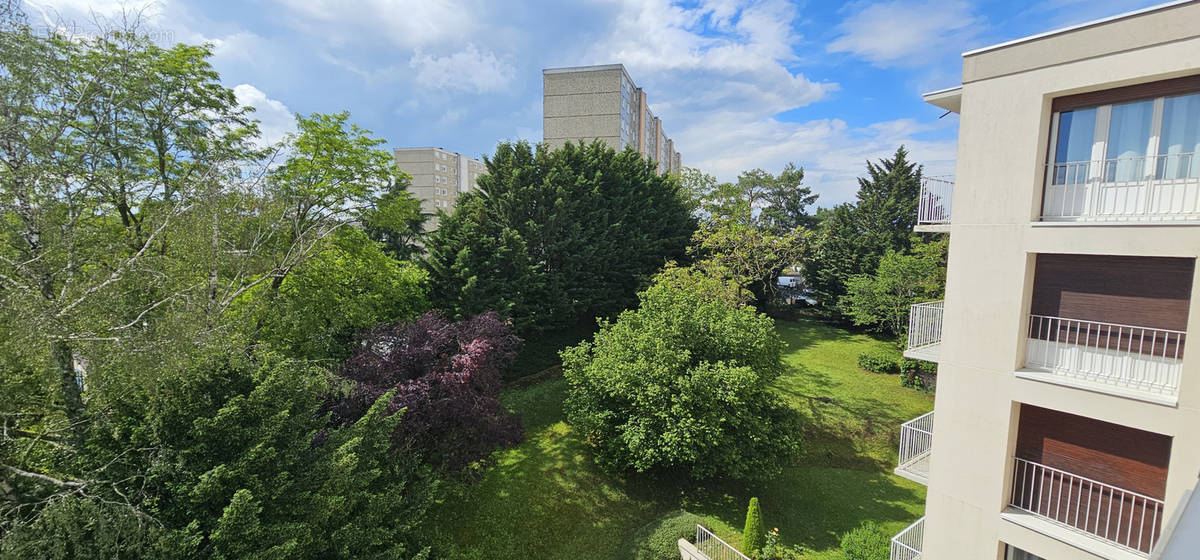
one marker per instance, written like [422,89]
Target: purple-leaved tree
[448,378]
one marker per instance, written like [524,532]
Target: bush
[754,536]
[682,384]
[447,377]
[878,363]
[867,542]
[659,540]
[917,374]
[774,550]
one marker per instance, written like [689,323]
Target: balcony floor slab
[1068,535]
[916,470]
[1096,387]
[928,353]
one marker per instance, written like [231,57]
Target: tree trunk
[64,363]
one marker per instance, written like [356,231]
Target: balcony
[933,208]
[925,331]
[916,440]
[907,544]
[1127,521]
[1154,189]
[1124,359]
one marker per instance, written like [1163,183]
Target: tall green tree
[852,238]
[881,300]
[555,236]
[778,203]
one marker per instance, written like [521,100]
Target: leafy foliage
[852,238]
[681,383]
[746,255]
[349,285]
[867,542]
[660,539]
[446,377]
[135,214]
[775,203]
[754,536]
[878,363]
[881,300]
[550,237]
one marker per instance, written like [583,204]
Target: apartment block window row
[1126,154]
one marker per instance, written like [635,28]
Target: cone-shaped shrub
[754,536]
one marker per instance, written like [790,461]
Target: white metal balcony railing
[916,441]
[907,544]
[924,330]
[1162,188]
[937,194]
[1128,357]
[1126,519]
[714,548]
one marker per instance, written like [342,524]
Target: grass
[546,499]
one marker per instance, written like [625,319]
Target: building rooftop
[1077,27]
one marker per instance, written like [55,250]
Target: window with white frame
[1156,138]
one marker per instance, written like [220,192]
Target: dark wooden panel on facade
[1142,291]
[1132,459]
[1174,86]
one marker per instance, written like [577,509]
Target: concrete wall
[688,551]
[438,177]
[583,105]
[1003,139]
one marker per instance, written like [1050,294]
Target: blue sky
[739,84]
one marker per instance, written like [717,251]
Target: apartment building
[438,177]
[586,103]
[1068,408]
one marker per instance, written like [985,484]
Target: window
[1131,141]
[1179,143]
[1014,553]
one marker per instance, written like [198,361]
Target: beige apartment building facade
[1067,410]
[438,177]
[586,103]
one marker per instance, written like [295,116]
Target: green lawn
[545,498]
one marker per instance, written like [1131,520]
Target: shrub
[447,377]
[878,363]
[682,384]
[774,550]
[917,374]
[659,540]
[867,542]
[754,536]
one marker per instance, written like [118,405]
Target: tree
[754,535]
[881,300]
[580,229]
[887,202]
[774,202]
[446,377]
[135,213]
[349,285]
[681,384]
[394,220]
[852,238]
[749,256]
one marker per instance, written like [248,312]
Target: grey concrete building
[438,177]
[585,103]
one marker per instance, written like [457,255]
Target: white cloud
[832,153]
[401,23]
[275,120]
[903,33]
[471,69]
